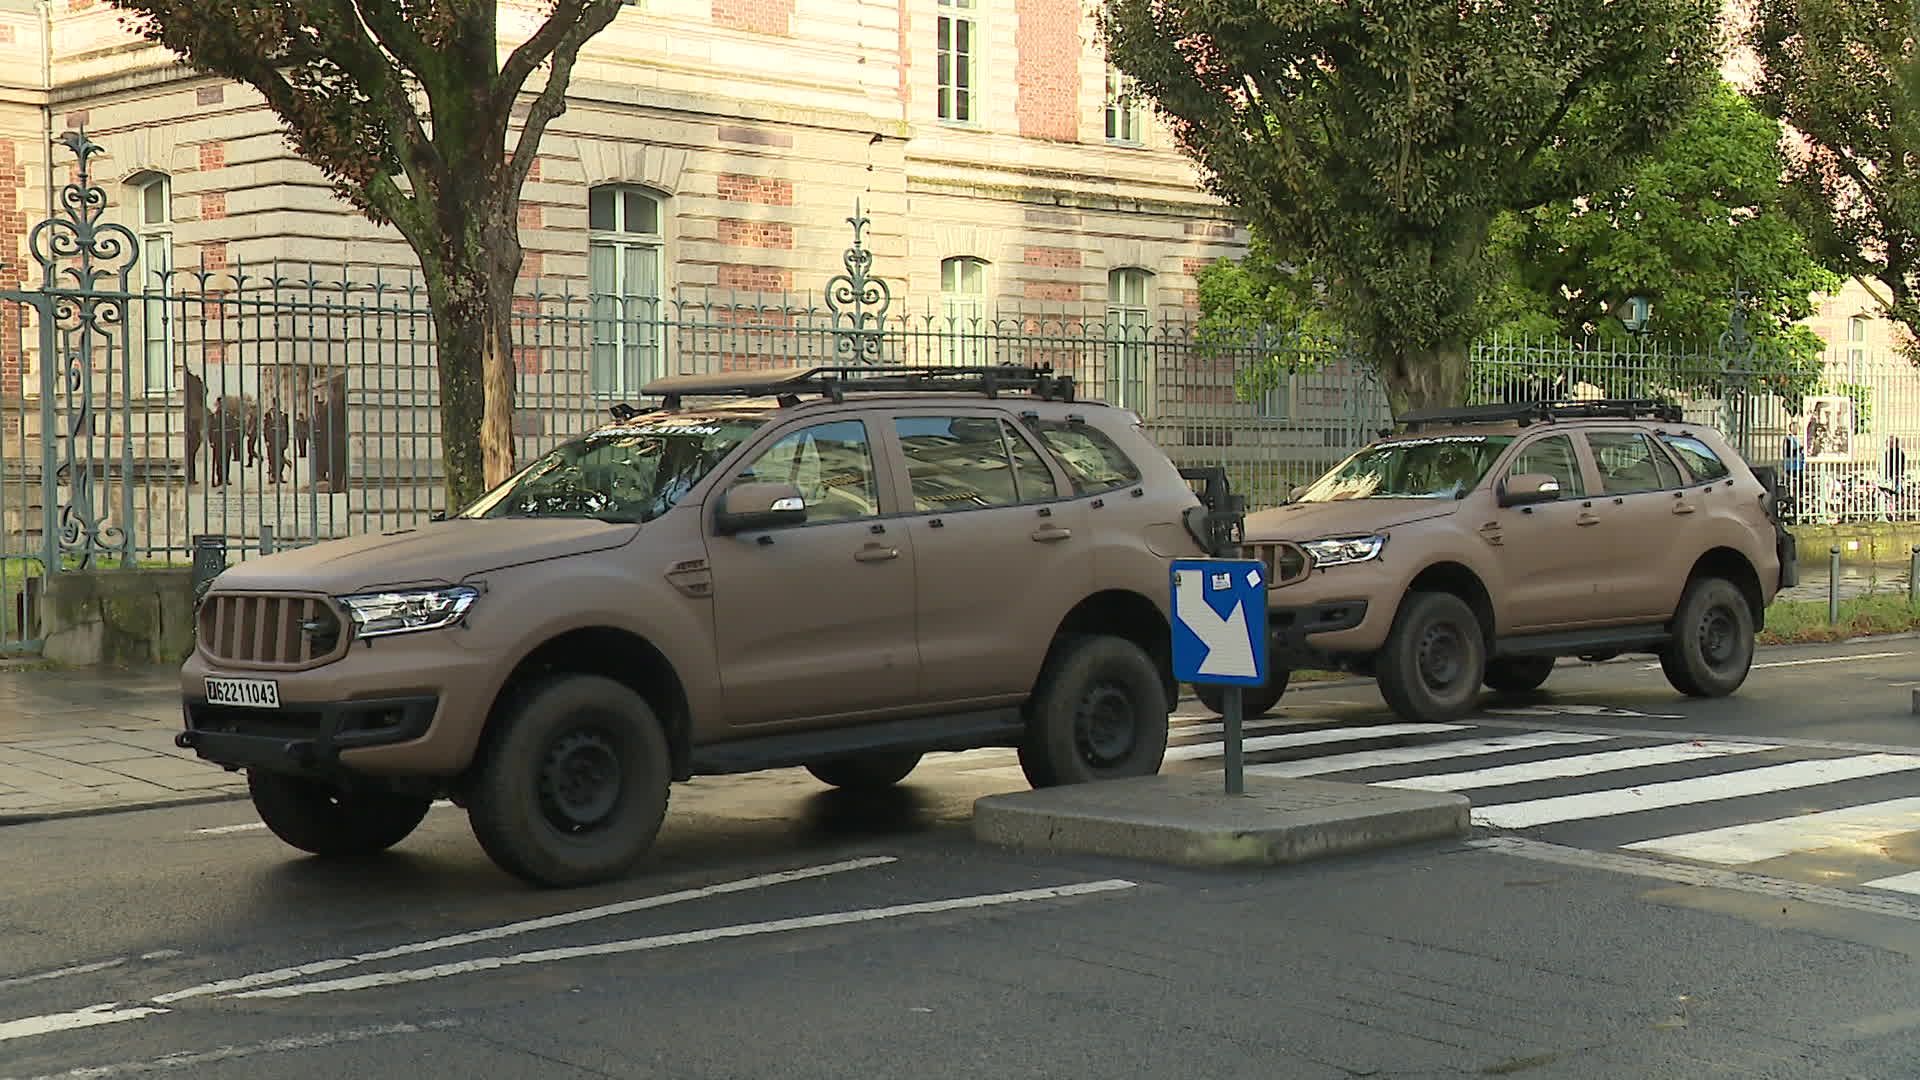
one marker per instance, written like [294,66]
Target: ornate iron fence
[279,405]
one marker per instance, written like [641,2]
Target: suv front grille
[271,630]
[1286,563]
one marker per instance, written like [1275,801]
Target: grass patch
[1802,622]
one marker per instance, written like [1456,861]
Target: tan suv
[1480,544]
[838,568]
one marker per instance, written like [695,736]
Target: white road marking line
[569,918]
[1809,660]
[662,941]
[91,1016]
[61,973]
[1906,883]
[1250,727]
[1409,755]
[190,1059]
[1627,800]
[1193,751]
[1577,709]
[1758,840]
[1669,735]
[1638,757]
[1709,877]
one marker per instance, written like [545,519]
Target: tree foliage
[407,107]
[1378,141]
[1845,77]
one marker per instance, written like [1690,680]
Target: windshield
[631,473]
[1442,467]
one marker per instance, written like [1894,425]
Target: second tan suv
[1480,544]
[838,568]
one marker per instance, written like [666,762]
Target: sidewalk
[74,743]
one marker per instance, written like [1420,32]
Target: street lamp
[1634,313]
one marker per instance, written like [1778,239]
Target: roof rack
[836,382]
[1529,412]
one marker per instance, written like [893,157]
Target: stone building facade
[708,145]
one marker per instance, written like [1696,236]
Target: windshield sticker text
[674,429]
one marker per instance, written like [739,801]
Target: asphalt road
[787,930]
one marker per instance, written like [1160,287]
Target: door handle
[1047,534]
[1682,508]
[1586,519]
[876,553]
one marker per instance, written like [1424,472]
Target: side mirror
[1527,489]
[750,506]
[1297,491]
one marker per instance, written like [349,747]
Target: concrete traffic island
[1187,819]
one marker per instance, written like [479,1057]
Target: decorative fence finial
[858,333]
[1736,343]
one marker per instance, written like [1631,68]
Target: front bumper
[304,738]
[1297,634]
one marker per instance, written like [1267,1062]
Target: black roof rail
[836,381]
[1529,412]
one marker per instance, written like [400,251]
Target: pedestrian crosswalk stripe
[1906,883]
[1628,800]
[1757,840]
[1192,751]
[1525,772]
[1413,755]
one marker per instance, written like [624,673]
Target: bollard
[1833,585]
[266,539]
[1913,578]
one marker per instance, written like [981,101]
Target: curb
[101,809]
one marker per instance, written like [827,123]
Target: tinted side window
[1091,460]
[1629,462]
[831,464]
[1553,456]
[956,462]
[1701,461]
[1033,480]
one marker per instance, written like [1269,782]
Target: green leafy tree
[1845,77]
[408,109]
[1377,142]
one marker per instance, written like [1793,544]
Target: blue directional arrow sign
[1220,621]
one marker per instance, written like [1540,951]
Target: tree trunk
[473,318]
[1426,378]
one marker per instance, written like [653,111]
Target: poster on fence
[1829,430]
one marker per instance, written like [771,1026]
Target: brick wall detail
[13,234]
[213,155]
[755,16]
[1053,258]
[748,278]
[759,234]
[1053,291]
[765,190]
[213,206]
[1047,75]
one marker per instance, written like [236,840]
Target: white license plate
[246,693]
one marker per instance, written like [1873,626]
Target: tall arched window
[625,242]
[963,308]
[1129,382]
[153,224]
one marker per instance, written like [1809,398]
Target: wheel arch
[1129,615]
[621,655]
[1460,580]
[1728,563]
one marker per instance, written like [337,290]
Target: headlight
[406,610]
[1344,550]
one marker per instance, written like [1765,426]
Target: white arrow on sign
[1229,648]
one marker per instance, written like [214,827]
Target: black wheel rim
[1441,656]
[1103,726]
[580,780]
[1719,637]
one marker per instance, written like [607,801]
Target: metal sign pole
[1236,774]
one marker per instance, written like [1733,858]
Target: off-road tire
[319,818]
[1712,647]
[571,787]
[1254,700]
[1434,659]
[874,771]
[1519,674]
[1098,712]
